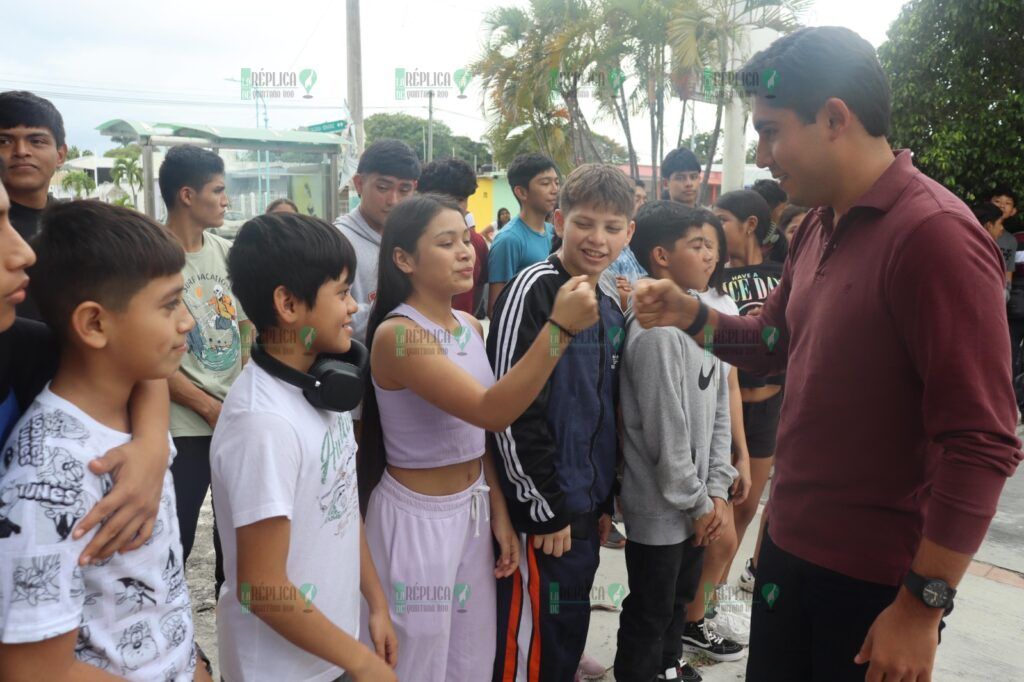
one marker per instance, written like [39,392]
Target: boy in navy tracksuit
[557,461]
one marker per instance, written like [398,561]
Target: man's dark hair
[453,177]
[187,166]
[771,191]
[23,108]
[641,185]
[679,160]
[987,213]
[661,223]
[91,251]
[814,64]
[1003,191]
[390,157]
[526,167]
[298,252]
[600,185]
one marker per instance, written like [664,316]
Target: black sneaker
[700,637]
[684,672]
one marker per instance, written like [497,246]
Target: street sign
[328,127]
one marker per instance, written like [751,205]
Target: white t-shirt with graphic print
[132,610]
[273,454]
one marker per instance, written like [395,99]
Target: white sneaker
[748,576]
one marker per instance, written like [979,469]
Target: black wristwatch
[935,593]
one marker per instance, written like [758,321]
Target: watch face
[934,594]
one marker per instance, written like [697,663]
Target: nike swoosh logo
[704,381]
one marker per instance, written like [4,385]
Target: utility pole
[430,126]
[355,71]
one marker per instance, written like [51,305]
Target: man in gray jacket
[675,415]
[387,174]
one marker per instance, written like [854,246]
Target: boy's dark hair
[744,203]
[1003,191]
[23,108]
[526,167]
[91,251]
[814,64]
[600,185]
[679,160]
[771,191]
[283,201]
[641,185]
[298,252]
[452,177]
[987,213]
[661,223]
[390,157]
[187,166]
[717,279]
[789,213]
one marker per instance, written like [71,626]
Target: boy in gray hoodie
[675,414]
[387,173]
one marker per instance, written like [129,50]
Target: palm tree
[127,169]
[530,56]
[714,34]
[77,182]
[640,26]
[571,47]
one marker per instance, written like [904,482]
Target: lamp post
[262,184]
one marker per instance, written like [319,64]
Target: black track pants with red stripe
[544,611]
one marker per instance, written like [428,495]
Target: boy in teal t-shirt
[527,238]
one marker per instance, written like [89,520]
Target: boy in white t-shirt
[108,282]
[284,473]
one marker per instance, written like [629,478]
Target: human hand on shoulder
[130,509]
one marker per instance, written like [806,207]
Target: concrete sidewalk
[984,636]
[983,640]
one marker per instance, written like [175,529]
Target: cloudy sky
[156,61]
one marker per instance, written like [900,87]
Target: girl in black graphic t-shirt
[749,279]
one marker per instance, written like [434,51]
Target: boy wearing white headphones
[284,470]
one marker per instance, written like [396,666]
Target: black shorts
[761,423]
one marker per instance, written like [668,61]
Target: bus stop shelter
[150,136]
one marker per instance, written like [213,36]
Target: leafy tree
[957,91]
[73,153]
[412,131]
[129,150]
[714,34]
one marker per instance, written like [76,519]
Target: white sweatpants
[435,559]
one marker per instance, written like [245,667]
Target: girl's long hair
[405,225]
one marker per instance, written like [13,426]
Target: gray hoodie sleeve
[657,375]
[721,472]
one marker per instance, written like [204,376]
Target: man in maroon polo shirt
[897,430]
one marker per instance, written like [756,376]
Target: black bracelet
[698,323]
[562,329]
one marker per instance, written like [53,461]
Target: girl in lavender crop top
[418,434]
